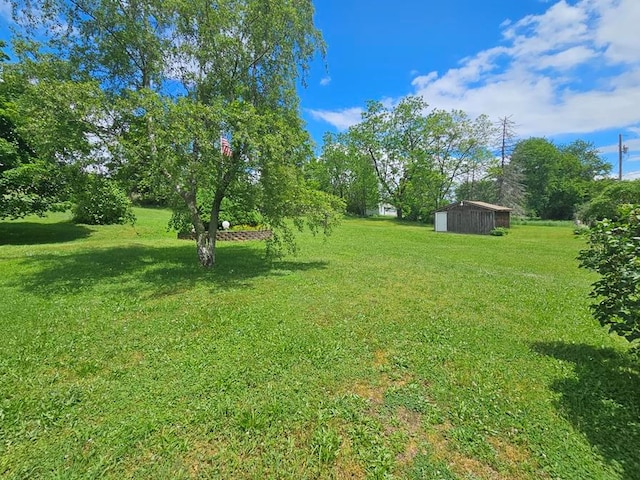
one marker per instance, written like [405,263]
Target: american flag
[225,147]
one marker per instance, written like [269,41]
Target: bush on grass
[99,201]
[614,253]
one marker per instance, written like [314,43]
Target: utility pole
[621,149]
[620,156]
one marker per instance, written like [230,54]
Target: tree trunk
[206,249]
[206,241]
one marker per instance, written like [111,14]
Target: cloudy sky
[561,69]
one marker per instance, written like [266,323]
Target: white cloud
[566,59]
[573,69]
[325,81]
[535,76]
[539,77]
[632,144]
[617,30]
[561,25]
[631,175]
[342,119]
[5,10]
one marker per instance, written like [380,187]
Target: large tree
[420,155]
[393,141]
[556,178]
[41,134]
[346,172]
[459,148]
[184,77]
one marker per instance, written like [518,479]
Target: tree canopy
[416,155]
[346,172]
[175,80]
[607,195]
[34,176]
[556,177]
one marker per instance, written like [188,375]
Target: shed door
[441,221]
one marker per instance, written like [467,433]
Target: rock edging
[233,235]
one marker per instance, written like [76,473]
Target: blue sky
[562,69]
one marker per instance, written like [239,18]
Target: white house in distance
[384,210]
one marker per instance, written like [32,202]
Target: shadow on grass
[33,233]
[154,271]
[602,401]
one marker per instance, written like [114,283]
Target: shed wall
[470,220]
[503,219]
[441,222]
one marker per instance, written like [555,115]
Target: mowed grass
[388,351]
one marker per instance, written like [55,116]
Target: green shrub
[237,213]
[233,211]
[99,201]
[606,203]
[499,232]
[614,253]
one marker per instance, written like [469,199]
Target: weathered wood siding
[470,220]
[503,219]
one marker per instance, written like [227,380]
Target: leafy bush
[33,188]
[614,252]
[99,201]
[605,204]
[499,232]
[237,212]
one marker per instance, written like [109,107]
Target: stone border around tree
[233,235]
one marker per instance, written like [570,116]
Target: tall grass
[388,350]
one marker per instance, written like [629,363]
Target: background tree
[345,172]
[419,156]
[37,175]
[180,74]
[394,141]
[484,190]
[606,197]
[591,165]
[502,174]
[556,178]
[459,147]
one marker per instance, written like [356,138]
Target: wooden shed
[472,217]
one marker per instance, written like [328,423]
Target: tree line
[419,159]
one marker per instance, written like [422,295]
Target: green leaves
[556,177]
[155,84]
[99,201]
[34,188]
[614,253]
[345,171]
[418,156]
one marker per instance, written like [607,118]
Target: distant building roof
[483,205]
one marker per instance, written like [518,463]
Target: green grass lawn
[386,351]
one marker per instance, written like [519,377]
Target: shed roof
[483,205]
